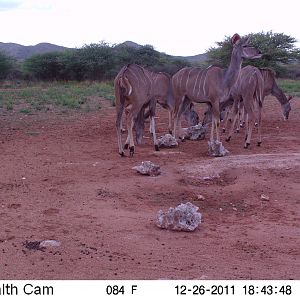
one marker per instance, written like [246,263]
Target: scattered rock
[196,132]
[33,245]
[184,217]
[148,168]
[50,243]
[264,197]
[216,149]
[200,197]
[167,141]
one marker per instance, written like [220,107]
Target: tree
[6,65]
[278,50]
[97,60]
[46,66]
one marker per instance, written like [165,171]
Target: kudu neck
[233,70]
[278,93]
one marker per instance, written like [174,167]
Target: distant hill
[195,59]
[199,58]
[21,52]
[130,44]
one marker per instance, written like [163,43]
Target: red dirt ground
[61,178]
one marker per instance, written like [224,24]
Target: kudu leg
[118,128]
[215,123]
[250,125]
[170,113]
[177,123]
[228,118]
[259,128]
[231,130]
[152,109]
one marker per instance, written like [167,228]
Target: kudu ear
[289,97]
[235,39]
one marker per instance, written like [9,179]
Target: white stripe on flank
[137,78]
[196,83]
[204,83]
[202,72]
[187,80]
[181,80]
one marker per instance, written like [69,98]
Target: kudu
[249,89]
[211,85]
[249,92]
[139,88]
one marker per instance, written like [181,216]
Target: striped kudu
[139,88]
[249,92]
[211,85]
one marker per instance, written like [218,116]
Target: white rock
[148,168]
[216,149]
[167,141]
[264,197]
[50,243]
[184,217]
[196,132]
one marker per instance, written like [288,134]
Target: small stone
[200,197]
[148,168]
[50,243]
[264,197]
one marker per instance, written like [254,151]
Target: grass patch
[70,95]
[291,87]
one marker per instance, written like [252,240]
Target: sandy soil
[61,178]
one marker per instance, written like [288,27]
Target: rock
[184,217]
[200,197]
[216,149]
[148,168]
[167,141]
[196,132]
[50,243]
[264,197]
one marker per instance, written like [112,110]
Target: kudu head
[242,48]
[286,108]
[191,115]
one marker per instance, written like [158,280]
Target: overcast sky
[177,27]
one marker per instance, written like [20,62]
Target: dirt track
[61,178]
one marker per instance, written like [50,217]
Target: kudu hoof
[126,146]
[223,130]
[156,148]
[247,145]
[228,139]
[131,151]
[170,131]
[258,144]
[122,154]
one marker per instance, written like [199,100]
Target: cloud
[9,5]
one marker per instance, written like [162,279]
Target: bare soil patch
[61,178]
